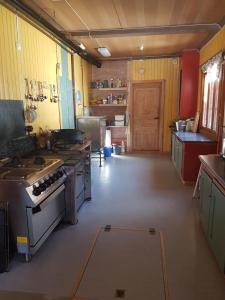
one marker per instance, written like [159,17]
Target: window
[210,103]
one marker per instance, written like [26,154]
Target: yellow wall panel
[36,61]
[86,81]
[215,45]
[161,69]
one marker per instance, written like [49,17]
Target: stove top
[36,162]
[29,168]
[17,173]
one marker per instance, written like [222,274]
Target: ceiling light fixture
[142,47]
[104,51]
[81,45]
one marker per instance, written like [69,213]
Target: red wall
[189,83]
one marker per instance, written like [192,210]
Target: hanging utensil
[27,90]
[51,92]
[32,98]
[55,97]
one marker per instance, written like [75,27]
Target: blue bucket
[107,151]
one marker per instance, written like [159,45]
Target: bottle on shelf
[111,83]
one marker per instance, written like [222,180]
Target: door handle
[156,118]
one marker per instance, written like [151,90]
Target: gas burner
[16,162]
[39,160]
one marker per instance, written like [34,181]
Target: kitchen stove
[77,165]
[43,189]
[35,190]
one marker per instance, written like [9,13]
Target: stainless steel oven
[36,196]
[42,218]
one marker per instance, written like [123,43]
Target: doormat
[124,263]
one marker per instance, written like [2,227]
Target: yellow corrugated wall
[82,82]
[215,45]
[161,69]
[36,61]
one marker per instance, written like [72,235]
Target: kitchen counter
[190,137]
[215,165]
[185,150]
[211,196]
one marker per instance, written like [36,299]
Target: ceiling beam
[142,57]
[30,14]
[141,31]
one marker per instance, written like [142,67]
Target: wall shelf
[113,126]
[109,105]
[111,89]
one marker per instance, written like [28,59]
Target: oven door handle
[52,197]
[80,173]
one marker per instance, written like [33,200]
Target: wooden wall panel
[161,69]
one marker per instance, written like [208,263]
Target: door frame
[130,110]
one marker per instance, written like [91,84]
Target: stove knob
[56,176]
[47,182]
[60,173]
[36,191]
[42,187]
[52,179]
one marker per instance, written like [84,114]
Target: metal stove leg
[27,257]
[100,153]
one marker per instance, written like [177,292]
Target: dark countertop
[190,137]
[215,165]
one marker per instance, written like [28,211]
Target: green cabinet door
[217,226]
[179,156]
[205,183]
[172,150]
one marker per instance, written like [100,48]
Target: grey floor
[139,191]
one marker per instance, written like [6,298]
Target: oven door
[43,218]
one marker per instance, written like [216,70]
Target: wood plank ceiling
[163,27]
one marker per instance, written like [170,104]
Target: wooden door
[147,116]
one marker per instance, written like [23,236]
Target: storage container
[119,123]
[119,117]
[117,149]
[107,151]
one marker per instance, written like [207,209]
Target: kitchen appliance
[77,166]
[72,154]
[68,136]
[34,187]
[180,125]
[94,128]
